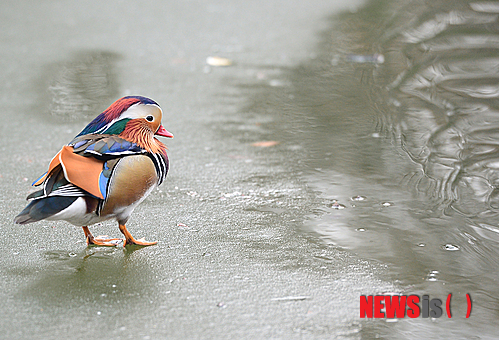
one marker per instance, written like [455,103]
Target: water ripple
[441,75]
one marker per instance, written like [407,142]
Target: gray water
[306,120]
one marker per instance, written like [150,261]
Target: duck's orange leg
[129,240]
[99,241]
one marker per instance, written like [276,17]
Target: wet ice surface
[232,260]
[307,169]
[430,182]
[229,264]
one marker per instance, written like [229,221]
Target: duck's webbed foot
[129,240]
[101,240]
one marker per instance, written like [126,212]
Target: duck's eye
[149,118]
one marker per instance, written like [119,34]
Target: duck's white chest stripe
[161,165]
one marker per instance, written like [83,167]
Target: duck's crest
[113,112]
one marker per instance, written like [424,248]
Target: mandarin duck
[111,166]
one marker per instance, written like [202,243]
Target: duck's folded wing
[88,162]
[57,185]
[105,146]
[84,172]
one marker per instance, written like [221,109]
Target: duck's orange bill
[163,132]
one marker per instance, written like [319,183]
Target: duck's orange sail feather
[84,172]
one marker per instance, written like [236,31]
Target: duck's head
[134,118]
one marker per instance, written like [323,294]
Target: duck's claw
[102,241]
[141,242]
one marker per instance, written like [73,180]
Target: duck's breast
[132,180]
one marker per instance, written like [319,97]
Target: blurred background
[322,151]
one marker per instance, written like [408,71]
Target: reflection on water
[441,77]
[95,283]
[93,274]
[423,203]
[437,94]
[83,86]
[430,191]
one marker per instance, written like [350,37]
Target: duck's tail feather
[42,208]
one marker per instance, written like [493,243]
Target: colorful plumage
[111,166]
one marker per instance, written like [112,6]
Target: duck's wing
[86,163]
[56,195]
[104,147]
